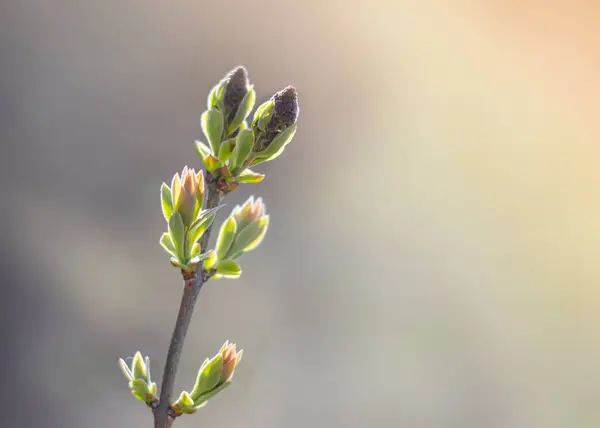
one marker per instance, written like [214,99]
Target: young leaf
[225,150]
[200,258]
[177,233]
[246,105]
[184,401]
[167,244]
[202,149]
[148,378]
[211,101]
[139,385]
[203,399]
[226,235]
[263,115]
[211,260]
[138,367]
[249,237]
[211,163]
[125,369]
[278,144]
[212,125]
[166,201]
[204,220]
[243,147]
[228,269]
[208,377]
[249,176]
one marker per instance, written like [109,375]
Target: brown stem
[193,282]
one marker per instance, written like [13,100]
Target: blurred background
[434,248]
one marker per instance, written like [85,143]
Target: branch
[193,282]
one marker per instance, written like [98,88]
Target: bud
[234,97]
[282,115]
[248,213]
[215,374]
[187,192]
[230,360]
[139,380]
[235,91]
[242,231]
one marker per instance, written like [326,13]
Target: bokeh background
[433,258]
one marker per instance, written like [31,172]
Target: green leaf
[243,147]
[212,163]
[249,237]
[139,396]
[208,377]
[176,263]
[212,126]
[228,269]
[177,233]
[125,369]
[148,378]
[167,244]
[138,367]
[211,102]
[204,220]
[166,201]
[211,260]
[140,386]
[249,176]
[226,235]
[225,150]
[277,145]
[220,94]
[246,105]
[203,399]
[184,401]
[200,258]
[263,115]
[202,149]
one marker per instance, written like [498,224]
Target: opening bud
[274,124]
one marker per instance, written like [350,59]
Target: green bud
[187,194]
[215,374]
[138,378]
[208,376]
[249,238]
[249,212]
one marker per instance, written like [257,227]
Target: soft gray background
[432,259]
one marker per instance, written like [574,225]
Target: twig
[193,282]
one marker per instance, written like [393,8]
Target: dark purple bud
[235,91]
